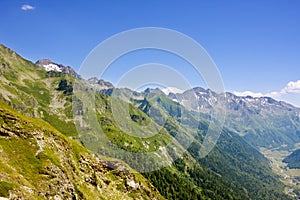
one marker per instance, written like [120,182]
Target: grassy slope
[39,162]
[32,91]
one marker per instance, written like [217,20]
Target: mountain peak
[44,61]
[100,84]
[153,91]
[49,65]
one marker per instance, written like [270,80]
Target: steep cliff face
[38,162]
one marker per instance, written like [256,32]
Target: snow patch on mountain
[48,65]
[52,67]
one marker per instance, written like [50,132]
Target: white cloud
[174,90]
[248,93]
[274,94]
[27,7]
[292,87]
[290,93]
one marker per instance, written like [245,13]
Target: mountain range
[50,148]
[261,121]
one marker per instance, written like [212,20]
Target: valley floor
[290,177]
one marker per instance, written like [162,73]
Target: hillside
[39,162]
[237,162]
[293,160]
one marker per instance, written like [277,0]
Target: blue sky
[255,44]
